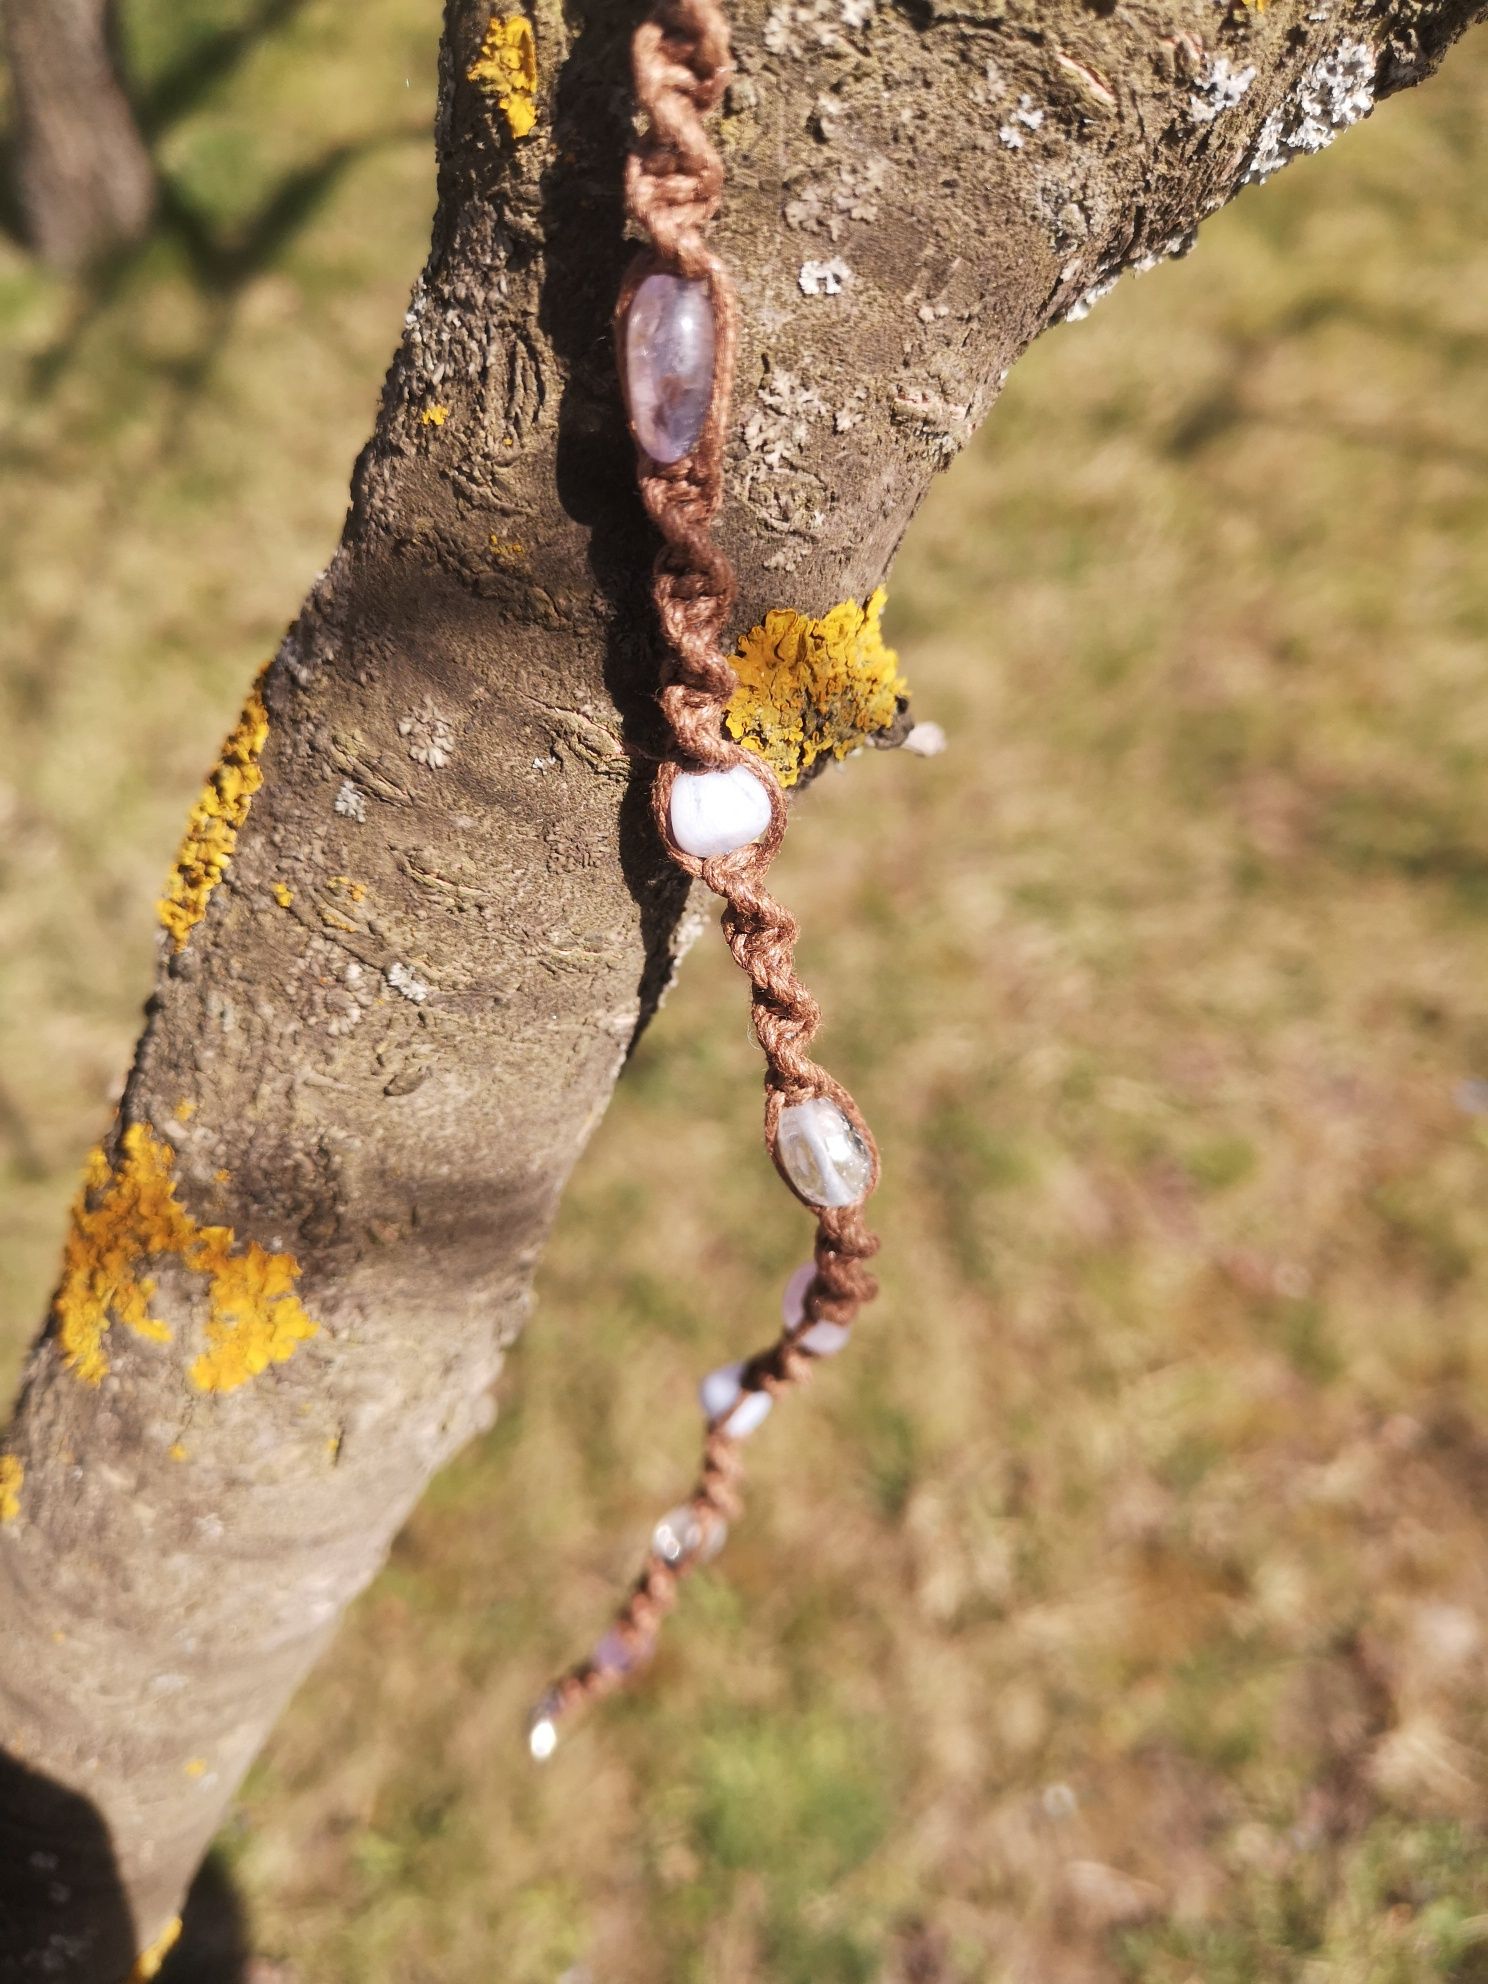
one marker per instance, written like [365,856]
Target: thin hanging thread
[673,187]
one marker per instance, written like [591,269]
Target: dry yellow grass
[1118,1609]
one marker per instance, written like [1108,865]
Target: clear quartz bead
[718,812]
[680,1537]
[821,1339]
[822,1154]
[677,1535]
[669,364]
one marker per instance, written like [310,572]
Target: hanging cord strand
[673,186]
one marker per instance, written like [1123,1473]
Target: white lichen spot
[825,278]
[351,801]
[1220,88]
[1082,308]
[1024,118]
[826,207]
[803,27]
[431,741]
[1337,91]
[404,979]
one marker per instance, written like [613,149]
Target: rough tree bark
[83,172]
[378,1044]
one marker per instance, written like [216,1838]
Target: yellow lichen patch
[195,1767]
[506,69]
[12,1477]
[150,1960]
[283,894]
[184,1110]
[256,1319]
[507,547]
[128,1218]
[344,885]
[177,1450]
[215,822]
[814,688]
[434,416]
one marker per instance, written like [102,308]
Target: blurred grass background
[1118,1609]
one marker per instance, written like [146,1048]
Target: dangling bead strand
[720,811]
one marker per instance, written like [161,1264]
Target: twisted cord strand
[674,185]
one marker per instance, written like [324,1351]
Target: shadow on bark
[214,1935]
[585,258]
[63,1910]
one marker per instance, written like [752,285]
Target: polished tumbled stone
[716,813]
[669,364]
[822,1154]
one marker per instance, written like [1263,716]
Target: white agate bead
[822,1339]
[542,1729]
[669,364]
[822,1154]
[718,812]
[725,1402]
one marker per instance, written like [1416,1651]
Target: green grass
[1117,1610]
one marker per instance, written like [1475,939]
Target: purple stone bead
[669,364]
[793,1301]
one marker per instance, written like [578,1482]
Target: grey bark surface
[395,1089]
[83,174]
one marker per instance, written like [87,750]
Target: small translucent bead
[793,1300]
[822,1154]
[718,812]
[679,1536]
[542,1729]
[669,364]
[676,1536]
[725,1402]
[822,1339]
[621,1653]
[720,1389]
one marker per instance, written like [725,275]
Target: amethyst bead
[669,364]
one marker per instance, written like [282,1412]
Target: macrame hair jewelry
[719,809]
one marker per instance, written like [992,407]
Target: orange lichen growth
[507,547]
[346,886]
[215,822]
[127,1218]
[506,69]
[814,688]
[149,1961]
[256,1319]
[434,416]
[12,1479]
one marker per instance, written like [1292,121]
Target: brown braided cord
[673,186]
